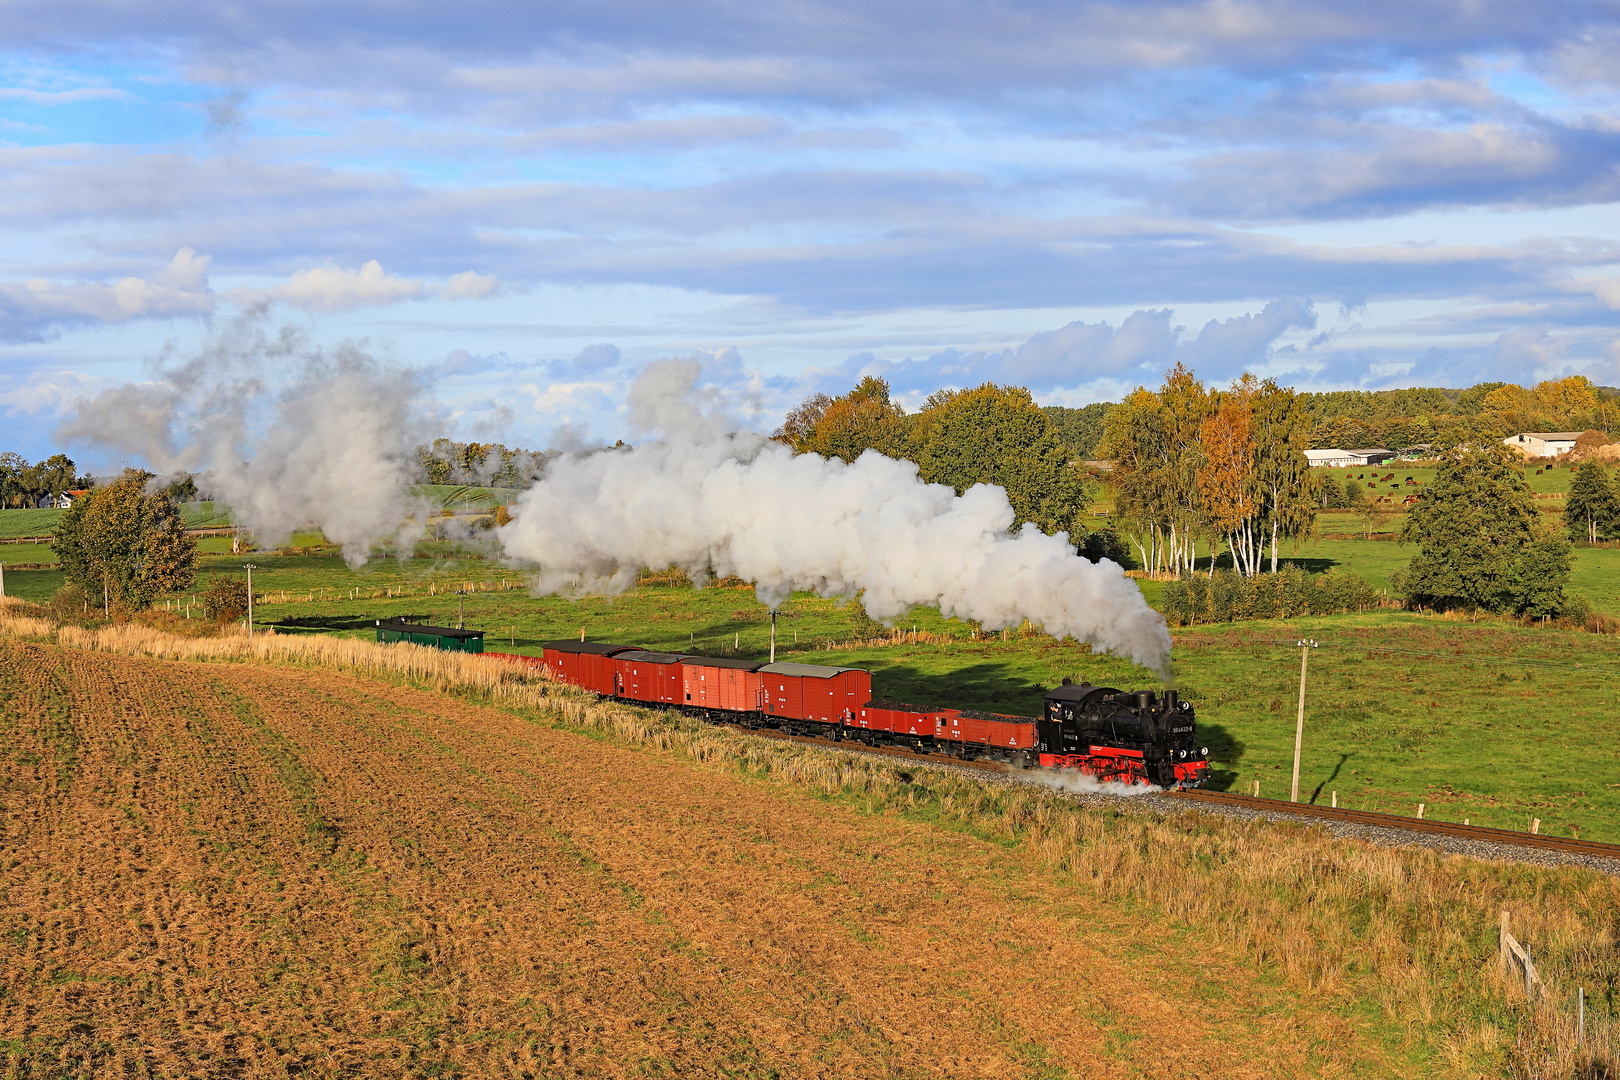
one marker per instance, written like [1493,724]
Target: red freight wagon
[649,676]
[900,718]
[732,685]
[812,692]
[585,664]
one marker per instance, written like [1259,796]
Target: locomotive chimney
[1170,701]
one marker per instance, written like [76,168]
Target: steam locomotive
[1109,734]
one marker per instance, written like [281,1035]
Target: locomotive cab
[1137,737]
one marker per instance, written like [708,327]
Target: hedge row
[1230,596]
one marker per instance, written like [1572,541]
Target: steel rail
[1569,845]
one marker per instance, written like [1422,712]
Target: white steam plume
[287,435]
[740,504]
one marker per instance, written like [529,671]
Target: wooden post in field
[1535,826]
[249,567]
[773,635]
[1502,944]
[2,579]
[1305,647]
[582,633]
[1420,811]
[1335,800]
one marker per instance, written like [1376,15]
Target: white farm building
[1543,443]
[1348,459]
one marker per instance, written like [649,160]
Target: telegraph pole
[461,593]
[1305,647]
[773,636]
[249,567]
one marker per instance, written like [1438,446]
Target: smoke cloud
[722,503]
[288,435]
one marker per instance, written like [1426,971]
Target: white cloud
[330,289]
[30,310]
[470,285]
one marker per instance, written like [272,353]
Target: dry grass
[1413,930]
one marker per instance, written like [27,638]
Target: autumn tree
[1481,543]
[1285,488]
[801,420]
[861,420]
[1224,476]
[1154,441]
[125,543]
[1592,509]
[998,435]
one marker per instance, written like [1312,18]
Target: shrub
[225,599]
[1105,544]
[1230,596]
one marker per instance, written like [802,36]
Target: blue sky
[531,202]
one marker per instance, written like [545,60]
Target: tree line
[1401,419]
[446,461]
[984,435]
[1226,467]
[23,484]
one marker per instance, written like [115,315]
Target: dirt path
[235,870]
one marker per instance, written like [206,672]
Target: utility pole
[249,567]
[461,592]
[1305,647]
[773,637]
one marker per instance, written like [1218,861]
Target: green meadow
[1492,722]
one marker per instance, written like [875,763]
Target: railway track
[1481,833]
[1478,833]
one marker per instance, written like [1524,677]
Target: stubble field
[230,869]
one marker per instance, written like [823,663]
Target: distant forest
[1398,419]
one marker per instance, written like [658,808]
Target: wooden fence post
[1502,945]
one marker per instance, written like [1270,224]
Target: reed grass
[1410,930]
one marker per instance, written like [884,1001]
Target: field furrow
[223,869]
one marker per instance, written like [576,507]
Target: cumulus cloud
[470,285]
[330,289]
[32,310]
[1090,354]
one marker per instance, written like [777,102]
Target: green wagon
[437,637]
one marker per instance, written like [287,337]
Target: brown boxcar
[649,676]
[584,663]
[729,685]
[811,692]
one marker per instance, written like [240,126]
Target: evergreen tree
[1592,510]
[125,543]
[1480,540]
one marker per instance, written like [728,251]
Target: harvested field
[233,869]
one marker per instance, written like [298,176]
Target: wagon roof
[596,648]
[715,661]
[645,657]
[806,671]
[423,628]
